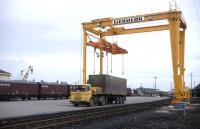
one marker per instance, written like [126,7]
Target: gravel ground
[154,119]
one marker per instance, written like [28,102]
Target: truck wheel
[76,105]
[110,100]
[91,104]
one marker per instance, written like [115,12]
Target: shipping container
[109,84]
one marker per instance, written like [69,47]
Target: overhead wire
[122,64]
[111,63]
[111,59]
[107,61]
[94,61]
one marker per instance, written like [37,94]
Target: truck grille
[77,98]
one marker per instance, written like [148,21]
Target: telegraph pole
[191,80]
[191,84]
[194,89]
[155,82]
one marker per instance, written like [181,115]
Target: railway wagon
[27,90]
[53,90]
[18,89]
[129,92]
[24,90]
[4,90]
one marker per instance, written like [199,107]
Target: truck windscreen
[79,88]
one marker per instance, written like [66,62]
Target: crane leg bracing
[176,26]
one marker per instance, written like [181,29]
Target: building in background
[4,75]
[196,91]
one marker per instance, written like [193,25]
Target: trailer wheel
[123,100]
[120,100]
[106,100]
[91,104]
[103,102]
[111,101]
[117,100]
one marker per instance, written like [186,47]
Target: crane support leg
[182,69]
[84,55]
[174,36]
[181,58]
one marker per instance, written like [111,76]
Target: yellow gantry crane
[114,26]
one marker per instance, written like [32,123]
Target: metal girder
[146,17]
[94,31]
[134,30]
[176,26]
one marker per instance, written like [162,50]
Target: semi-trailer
[101,89]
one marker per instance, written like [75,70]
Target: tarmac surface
[19,108]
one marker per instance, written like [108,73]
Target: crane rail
[74,118]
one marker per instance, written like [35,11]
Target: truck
[100,90]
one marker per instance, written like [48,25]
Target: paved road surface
[24,108]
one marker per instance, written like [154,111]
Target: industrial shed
[4,75]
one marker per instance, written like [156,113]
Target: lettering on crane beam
[128,20]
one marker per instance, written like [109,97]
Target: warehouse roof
[4,73]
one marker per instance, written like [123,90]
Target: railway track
[74,118]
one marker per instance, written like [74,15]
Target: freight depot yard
[24,108]
[103,100]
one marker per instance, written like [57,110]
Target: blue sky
[47,35]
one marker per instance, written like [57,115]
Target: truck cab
[81,94]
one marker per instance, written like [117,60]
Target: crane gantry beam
[134,19]
[175,24]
